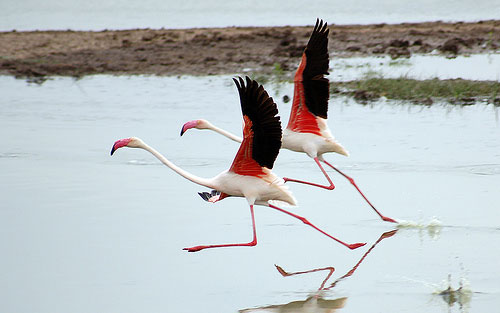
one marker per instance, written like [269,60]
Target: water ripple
[477,169]
[13,155]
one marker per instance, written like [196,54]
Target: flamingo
[331,269]
[307,130]
[314,303]
[250,173]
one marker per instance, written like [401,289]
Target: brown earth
[232,50]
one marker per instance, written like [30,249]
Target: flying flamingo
[250,173]
[307,129]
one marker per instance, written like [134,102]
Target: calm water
[114,14]
[81,231]
[419,67]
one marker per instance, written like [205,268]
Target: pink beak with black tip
[119,144]
[188,125]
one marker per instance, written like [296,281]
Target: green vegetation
[400,62]
[457,91]
[275,79]
[276,76]
[374,86]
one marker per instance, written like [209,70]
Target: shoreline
[211,51]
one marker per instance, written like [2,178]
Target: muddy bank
[208,51]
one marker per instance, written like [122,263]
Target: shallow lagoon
[420,66]
[81,231]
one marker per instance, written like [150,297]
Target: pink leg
[387,219]
[305,221]
[330,269]
[250,244]
[383,236]
[331,187]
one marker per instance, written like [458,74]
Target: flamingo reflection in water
[331,269]
[316,303]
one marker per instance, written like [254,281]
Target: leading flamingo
[250,173]
[307,130]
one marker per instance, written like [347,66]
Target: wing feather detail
[311,90]
[261,131]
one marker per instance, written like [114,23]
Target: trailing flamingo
[250,173]
[307,130]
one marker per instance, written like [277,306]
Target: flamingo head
[198,124]
[132,142]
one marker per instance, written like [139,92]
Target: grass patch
[277,75]
[457,91]
[373,86]
[276,79]
[400,62]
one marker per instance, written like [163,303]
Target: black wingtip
[316,86]
[260,108]
[249,81]
[320,24]
[236,82]
[203,195]
[207,195]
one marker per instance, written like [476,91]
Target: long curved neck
[226,133]
[195,179]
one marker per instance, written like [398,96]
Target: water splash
[444,291]
[433,226]
[462,295]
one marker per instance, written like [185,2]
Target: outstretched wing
[261,131]
[311,90]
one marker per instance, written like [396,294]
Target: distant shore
[210,51]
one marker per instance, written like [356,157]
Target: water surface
[81,231]
[113,14]
[472,67]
